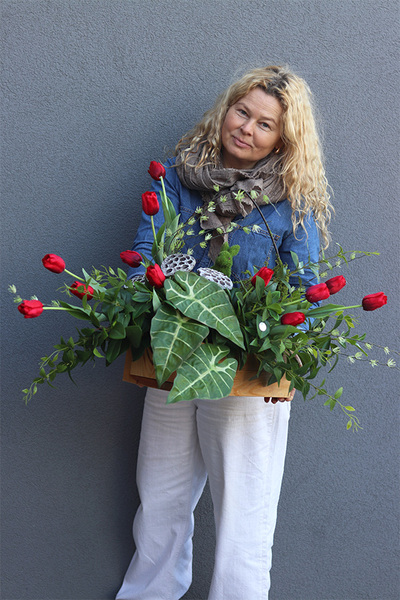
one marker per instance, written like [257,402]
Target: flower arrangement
[200,325]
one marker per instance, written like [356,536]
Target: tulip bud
[80,290]
[131,258]
[335,284]
[294,318]
[265,274]
[318,292]
[155,276]
[150,203]
[374,301]
[30,308]
[53,263]
[156,170]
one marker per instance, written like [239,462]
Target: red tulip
[30,308]
[80,290]
[374,301]
[155,276]
[335,284]
[294,318]
[131,258]
[150,203]
[318,292]
[156,170]
[53,263]
[265,274]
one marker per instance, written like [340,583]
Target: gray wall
[94,90]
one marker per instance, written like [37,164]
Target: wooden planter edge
[141,372]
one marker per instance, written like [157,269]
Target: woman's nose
[247,127]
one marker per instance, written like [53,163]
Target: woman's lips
[240,143]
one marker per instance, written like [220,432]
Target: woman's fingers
[275,400]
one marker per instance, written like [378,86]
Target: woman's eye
[265,125]
[242,112]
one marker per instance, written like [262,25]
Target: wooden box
[142,373]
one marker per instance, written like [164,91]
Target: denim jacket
[256,248]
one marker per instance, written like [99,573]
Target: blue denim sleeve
[306,244]
[144,239]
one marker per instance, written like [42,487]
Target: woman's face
[251,130]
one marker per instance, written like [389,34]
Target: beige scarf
[221,186]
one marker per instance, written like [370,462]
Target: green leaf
[260,287]
[75,311]
[295,258]
[94,319]
[117,332]
[206,302]
[134,335]
[173,339]
[156,301]
[203,375]
[350,408]
[324,311]
[97,353]
[113,350]
[338,393]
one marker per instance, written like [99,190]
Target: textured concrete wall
[92,91]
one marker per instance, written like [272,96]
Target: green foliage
[117,315]
[224,260]
[204,332]
[204,375]
[174,338]
[204,301]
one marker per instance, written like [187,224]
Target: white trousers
[240,443]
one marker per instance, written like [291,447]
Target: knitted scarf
[220,186]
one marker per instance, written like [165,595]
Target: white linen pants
[240,443]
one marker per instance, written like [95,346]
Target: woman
[260,135]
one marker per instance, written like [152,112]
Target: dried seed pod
[177,262]
[217,277]
[139,278]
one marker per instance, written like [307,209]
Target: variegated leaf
[173,339]
[203,375]
[206,302]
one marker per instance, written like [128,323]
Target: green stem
[292,302]
[73,275]
[278,258]
[154,231]
[355,306]
[163,187]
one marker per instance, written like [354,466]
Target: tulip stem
[355,306]
[284,304]
[152,225]
[73,275]
[163,187]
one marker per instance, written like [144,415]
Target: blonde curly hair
[301,166]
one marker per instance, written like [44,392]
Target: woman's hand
[291,395]
[275,400]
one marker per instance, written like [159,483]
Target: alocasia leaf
[206,302]
[203,375]
[173,338]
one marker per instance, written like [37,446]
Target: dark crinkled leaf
[206,302]
[173,338]
[203,375]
